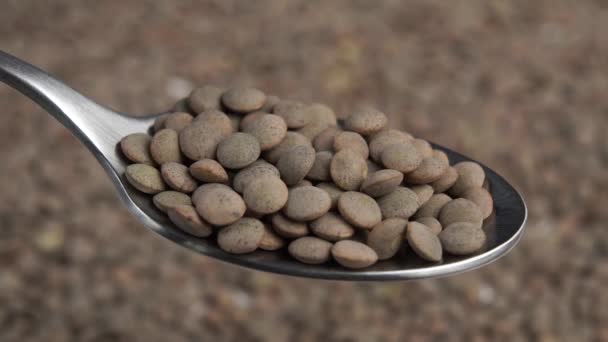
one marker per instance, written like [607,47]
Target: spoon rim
[262,260]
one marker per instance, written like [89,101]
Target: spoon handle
[97,127]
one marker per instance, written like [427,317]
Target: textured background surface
[519,85]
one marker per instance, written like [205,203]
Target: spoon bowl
[101,129]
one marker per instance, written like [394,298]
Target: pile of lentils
[258,172]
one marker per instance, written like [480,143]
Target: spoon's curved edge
[510,216]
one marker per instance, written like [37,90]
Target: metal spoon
[100,129]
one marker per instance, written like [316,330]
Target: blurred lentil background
[519,85]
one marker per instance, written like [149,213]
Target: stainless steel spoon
[100,129]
